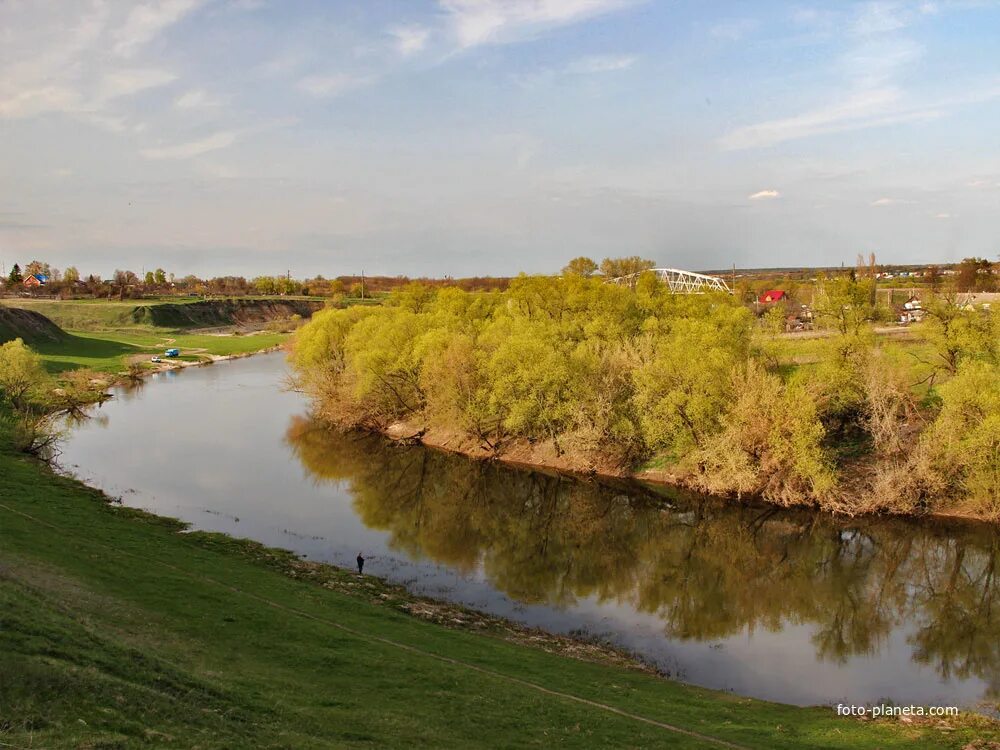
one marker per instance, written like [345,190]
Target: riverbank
[544,455]
[213,641]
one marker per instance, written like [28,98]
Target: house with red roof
[772,295]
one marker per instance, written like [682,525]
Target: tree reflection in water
[706,568]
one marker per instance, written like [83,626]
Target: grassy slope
[101,334]
[104,351]
[116,631]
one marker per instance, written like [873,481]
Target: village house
[771,296]
[910,311]
[36,280]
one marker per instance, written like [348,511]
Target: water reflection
[706,570]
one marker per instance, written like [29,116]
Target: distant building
[36,279]
[974,300]
[772,295]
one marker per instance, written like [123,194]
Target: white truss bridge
[680,282]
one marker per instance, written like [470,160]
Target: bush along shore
[694,390]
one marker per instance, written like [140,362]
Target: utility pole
[362,283]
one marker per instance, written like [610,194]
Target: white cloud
[30,102]
[601,64]
[871,70]
[814,17]
[191,148]
[882,202]
[863,110]
[118,83]
[880,17]
[876,62]
[734,30]
[410,39]
[764,195]
[331,84]
[886,16]
[475,22]
[147,20]
[196,99]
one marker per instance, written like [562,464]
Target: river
[791,606]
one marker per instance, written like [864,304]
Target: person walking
[361,564]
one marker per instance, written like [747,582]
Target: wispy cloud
[876,55]
[734,30]
[884,16]
[197,99]
[475,22]
[866,109]
[147,20]
[761,195]
[60,65]
[882,202]
[191,149]
[331,84]
[410,39]
[816,18]
[601,64]
[118,83]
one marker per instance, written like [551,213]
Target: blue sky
[474,137]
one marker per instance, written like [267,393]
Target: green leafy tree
[37,267]
[963,444]
[974,275]
[71,275]
[845,304]
[160,277]
[15,275]
[581,266]
[613,268]
[266,285]
[21,373]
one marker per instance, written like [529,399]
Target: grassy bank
[118,631]
[107,351]
[104,335]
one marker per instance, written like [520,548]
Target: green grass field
[106,352]
[117,631]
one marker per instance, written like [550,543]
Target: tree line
[126,284]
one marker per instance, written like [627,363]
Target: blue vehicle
[173,352]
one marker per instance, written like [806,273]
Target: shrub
[962,447]
[21,373]
[771,442]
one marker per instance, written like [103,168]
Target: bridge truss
[680,282]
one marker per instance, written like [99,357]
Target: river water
[791,606]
